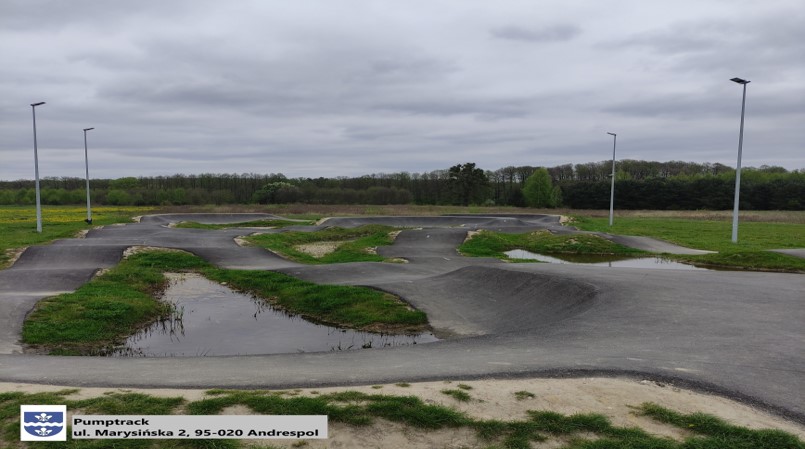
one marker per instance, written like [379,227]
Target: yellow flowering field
[18,224]
[67,214]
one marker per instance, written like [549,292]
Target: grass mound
[495,244]
[355,243]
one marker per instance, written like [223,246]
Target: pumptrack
[738,334]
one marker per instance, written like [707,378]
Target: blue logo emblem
[43,424]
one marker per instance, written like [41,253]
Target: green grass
[495,244]
[704,234]
[523,395]
[748,260]
[583,431]
[346,306]
[18,224]
[248,224]
[754,239]
[711,430]
[459,395]
[355,246]
[103,312]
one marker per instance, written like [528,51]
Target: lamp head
[38,104]
[612,134]
[87,129]
[740,81]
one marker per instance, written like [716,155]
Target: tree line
[638,185]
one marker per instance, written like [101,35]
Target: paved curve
[738,334]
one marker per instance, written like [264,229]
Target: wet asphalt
[737,334]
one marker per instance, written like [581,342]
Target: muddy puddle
[603,261]
[214,320]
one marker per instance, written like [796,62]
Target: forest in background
[671,185]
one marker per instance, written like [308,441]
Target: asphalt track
[738,334]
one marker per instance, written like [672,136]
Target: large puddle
[216,320]
[604,261]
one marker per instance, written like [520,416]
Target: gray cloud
[762,44]
[318,89]
[553,33]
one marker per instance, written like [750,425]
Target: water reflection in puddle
[218,321]
[604,261]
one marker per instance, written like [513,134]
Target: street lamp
[86,163]
[36,172]
[738,167]
[612,190]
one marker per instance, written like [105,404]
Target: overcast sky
[350,87]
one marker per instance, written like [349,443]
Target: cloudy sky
[350,87]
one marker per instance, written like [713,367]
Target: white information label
[240,427]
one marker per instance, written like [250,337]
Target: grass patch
[102,313]
[249,224]
[748,260]
[18,224]
[459,395]
[361,409]
[356,245]
[345,306]
[751,251]
[495,244]
[523,395]
[713,432]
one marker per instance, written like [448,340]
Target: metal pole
[36,172]
[86,163]
[738,166]
[612,189]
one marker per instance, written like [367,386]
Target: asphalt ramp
[479,300]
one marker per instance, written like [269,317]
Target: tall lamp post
[86,164]
[738,167]
[612,190]
[36,172]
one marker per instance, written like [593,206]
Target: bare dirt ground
[495,399]
[319,249]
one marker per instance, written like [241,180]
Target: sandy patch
[470,235]
[319,249]
[496,399]
[241,241]
[132,250]
[13,255]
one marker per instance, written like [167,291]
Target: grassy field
[360,410]
[103,312]
[704,234]
[754,239]
[18,224]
